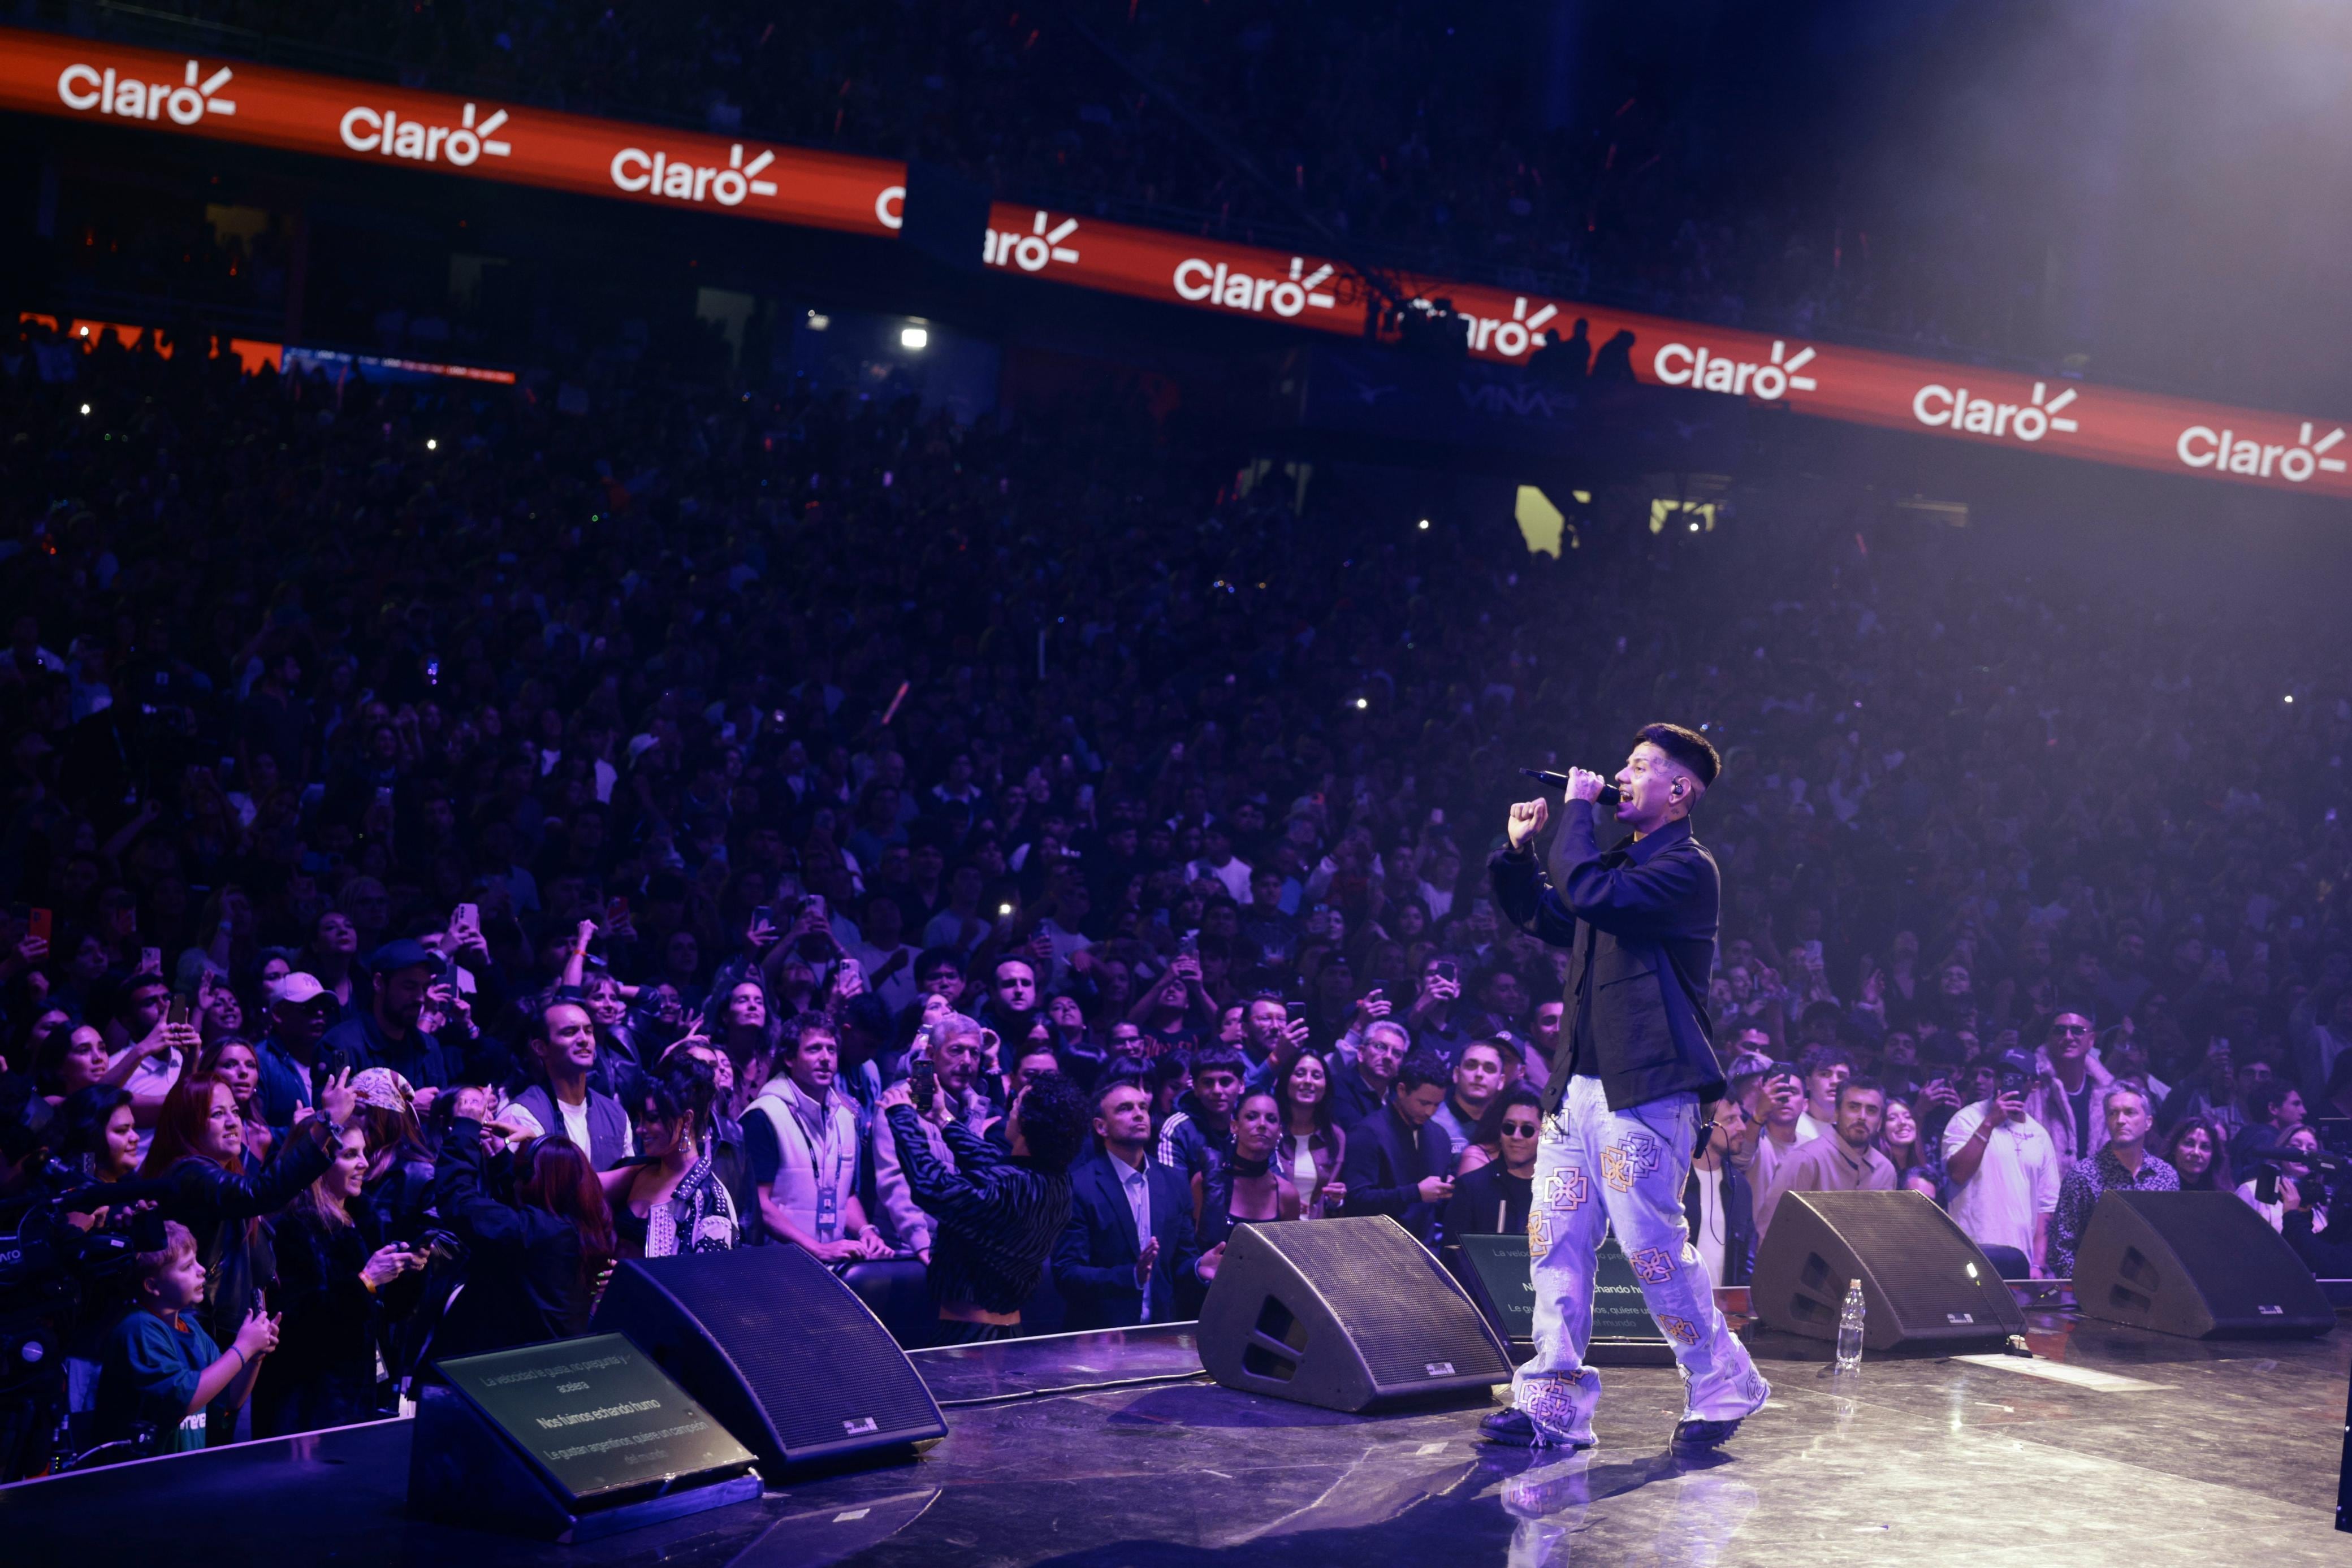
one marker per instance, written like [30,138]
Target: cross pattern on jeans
[1568,1189]
[1651,1264]
[1627,1161]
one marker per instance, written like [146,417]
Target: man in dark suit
[1631,1078]
[1400,1162]
[1130,1239]
[1360,1089]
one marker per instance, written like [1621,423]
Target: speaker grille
[1403,1336]
[1913,1261]
[2196,1263]
[2208,1234]
[826,1375]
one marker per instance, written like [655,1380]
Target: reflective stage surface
[2116,1446]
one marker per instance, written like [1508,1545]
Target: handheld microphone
[1610,794]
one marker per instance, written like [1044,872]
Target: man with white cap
[299,1008]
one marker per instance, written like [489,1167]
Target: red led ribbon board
[1862,386]
[170,93]
[229,100]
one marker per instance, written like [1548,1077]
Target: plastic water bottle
[1849,1341]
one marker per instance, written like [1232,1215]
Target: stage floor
[2161,1451]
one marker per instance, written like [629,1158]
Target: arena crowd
[452,838]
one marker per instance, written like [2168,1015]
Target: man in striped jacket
[996,1218]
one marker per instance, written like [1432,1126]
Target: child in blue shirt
[161,1368]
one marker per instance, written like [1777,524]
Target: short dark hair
[1859,1084]
[1686,747]
[1420,1068]
[1490,1121]
[2264,1099]
[1470,1045]
[535,1026]
[1820,1058]
[931,960]
[1055,1120]
[806,1024]
[996,968]
[1216,1056]
[1110,1081]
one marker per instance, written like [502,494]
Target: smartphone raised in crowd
[39,923]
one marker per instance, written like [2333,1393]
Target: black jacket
[1094,1261]
[214,1203]
[1639,922]
[1489,1201]
[401,1197]
[1387,1161]
[524,1279]
[330,1315]
[1738,1223]
[1353,1100]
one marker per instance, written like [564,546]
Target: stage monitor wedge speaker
[2203,1265]
[1924,1285]
[778,1349]
[1350,1315]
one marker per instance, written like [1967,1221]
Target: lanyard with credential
[828,1193]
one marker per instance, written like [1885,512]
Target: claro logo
[83,88]
[1955,409]
[1509,339]
[657,174]
[2227,452]
[1680,365]
[1216,283]
[366,129]
[1029,252]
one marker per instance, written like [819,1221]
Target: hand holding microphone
[1580,784]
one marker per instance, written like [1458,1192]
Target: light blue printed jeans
[1597,1169]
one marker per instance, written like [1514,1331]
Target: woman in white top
[1312,1148]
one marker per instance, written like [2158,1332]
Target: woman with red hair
[199,1148]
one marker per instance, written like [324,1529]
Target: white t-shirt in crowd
[1714,1229]
[575,1122]
[2017,1182]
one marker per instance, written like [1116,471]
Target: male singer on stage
[1630,1081]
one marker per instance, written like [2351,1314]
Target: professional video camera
[2322,1178]
[53,1274]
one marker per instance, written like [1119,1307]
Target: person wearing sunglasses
[1494,1198]
[2071,1082]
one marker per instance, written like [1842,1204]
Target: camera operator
[30,1398]
[2297,1187]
